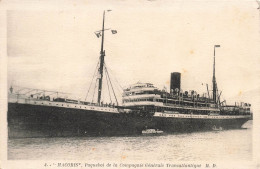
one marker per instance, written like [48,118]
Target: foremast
[101,65]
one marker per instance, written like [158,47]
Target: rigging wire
[94,91]
[115,78]
[111,84]
[117,87]
[92,81]
[108,86]
[115,81]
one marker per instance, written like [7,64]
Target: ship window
[62,104]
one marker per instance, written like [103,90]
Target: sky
[53,47]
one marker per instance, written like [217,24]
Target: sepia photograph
[130,84]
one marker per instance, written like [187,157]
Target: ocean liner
[41,113]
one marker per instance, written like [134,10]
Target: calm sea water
[229,144]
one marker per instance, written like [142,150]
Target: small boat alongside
[152,132]
[214,128]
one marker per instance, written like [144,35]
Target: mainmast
[214,82]
[102,55]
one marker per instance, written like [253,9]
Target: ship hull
[25,120]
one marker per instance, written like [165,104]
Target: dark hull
[25,120]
